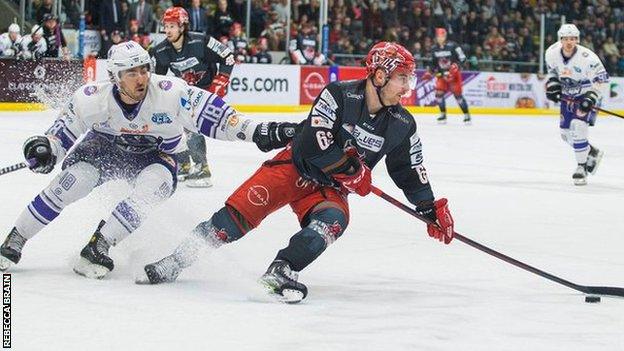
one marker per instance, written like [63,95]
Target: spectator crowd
[492,33]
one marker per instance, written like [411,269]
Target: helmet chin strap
[378,89]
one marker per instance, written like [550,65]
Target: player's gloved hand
[454,69]
[427,76]
[553,89]
[274,135]
[358,178]
[219,84]
[589,101]
[442,227]
[39,155]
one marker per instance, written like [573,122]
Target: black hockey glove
[589,101]
[553,89]
[274,135]
[39,155]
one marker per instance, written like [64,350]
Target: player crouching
[133,126]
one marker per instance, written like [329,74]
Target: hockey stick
[598,109]
[13,168]
[596,290]
[16,167]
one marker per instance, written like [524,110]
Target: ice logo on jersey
[165,84]
[90,90]
[186,104]
[161,118]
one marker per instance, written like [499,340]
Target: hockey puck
[592,299]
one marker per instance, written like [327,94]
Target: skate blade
[597,162]
[89,270]
[5,263]
[468,122]
[441,122]
[142,279]
[203,183]
[289,296]
[580,181]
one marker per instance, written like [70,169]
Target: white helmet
[36,29]
[125,56]
[14,28]
[568,30]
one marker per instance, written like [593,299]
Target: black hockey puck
[592,299]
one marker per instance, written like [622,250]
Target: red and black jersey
[197,62]
[444,56]
[339,119]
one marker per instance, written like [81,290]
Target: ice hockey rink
[385,285]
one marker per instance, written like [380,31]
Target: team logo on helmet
[389,57]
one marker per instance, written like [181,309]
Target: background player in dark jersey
[447,58]
[193,57]
[351,127]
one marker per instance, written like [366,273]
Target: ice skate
[94,261]
[593,160]
[580,175]
[442,119]
[467,119]
[281,282]
[163,271]
[184,171]
[200,179]
[11,249]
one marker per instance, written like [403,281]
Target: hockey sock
[154,184]
[220,229]
[70,185]
[197,148]
[579,131]
[461,101]
[441,103]
[305,246]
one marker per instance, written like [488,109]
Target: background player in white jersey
[33,46]
[576,78]
[9,41]
[133,124]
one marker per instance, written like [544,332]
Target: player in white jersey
[576,78]
[33,46]
[9,41]
[132,126]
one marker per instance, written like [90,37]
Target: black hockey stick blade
[595,290]
[13,168]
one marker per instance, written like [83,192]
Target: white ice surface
[383,286]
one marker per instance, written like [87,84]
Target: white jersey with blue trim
[578,74]
[170,107]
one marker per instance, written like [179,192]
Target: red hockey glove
[427,76]
[219,84]
[358,181]
[442,229]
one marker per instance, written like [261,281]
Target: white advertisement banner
[256,84]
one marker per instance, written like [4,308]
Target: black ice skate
[94,261]
[593,159]
[281,282]
[183,172]
[11,249]
[442,119]
[467,119]
[163,271]
[580,175]
[201,178]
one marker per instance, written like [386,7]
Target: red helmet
[176,15]
[390,57]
